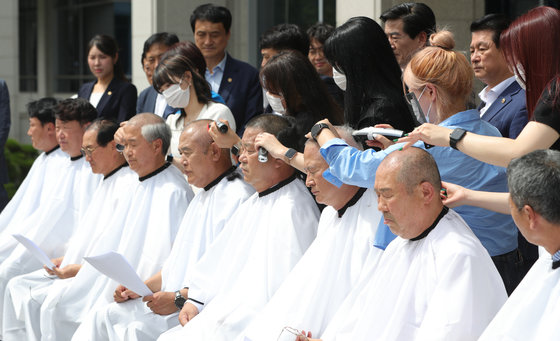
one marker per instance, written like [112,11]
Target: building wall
[150,16]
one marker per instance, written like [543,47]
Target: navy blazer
[5,122]
[118,101]
[508,113]
[147,103]
[241,90]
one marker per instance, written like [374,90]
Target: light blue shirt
[215,78]
[496,231]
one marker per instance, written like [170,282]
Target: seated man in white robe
[223,191]
[532,311]
[38,186]
[144,238]
[263,241]
[52,224]
[24,294]
[435,281]
[334,261]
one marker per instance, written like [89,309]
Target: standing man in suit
[5,122]
[503,100]
[149,100]
[237,82]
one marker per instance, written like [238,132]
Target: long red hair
[533,42]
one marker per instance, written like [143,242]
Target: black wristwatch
[290,153]
[179,300]
[316,129]
[456,135]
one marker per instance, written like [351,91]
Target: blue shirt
[215,78]
[496,231]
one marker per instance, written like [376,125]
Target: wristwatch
[290,153]
[179,300]
[316,129]
[456,135]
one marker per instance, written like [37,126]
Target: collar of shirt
[215,78]
[459,118]
[556,256]
[488,96]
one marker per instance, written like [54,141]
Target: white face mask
[520,78]
[177,97]
[339,79]
[275,103]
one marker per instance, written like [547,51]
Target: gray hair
[534,180]
[154,131]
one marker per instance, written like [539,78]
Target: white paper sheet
[116,267]
[34,250]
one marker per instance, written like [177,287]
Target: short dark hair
[497,23]
[164,38]
[182,57]
[42,109]
[416,16]
[282,127]
[106,130]
[214,14]
[285,37]
[75,109]
[320,32]
[534,179]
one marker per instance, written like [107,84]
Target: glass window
[76,23]
[28,45]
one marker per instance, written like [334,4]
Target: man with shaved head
[435,281]
[223,190]
[264,239]
[144,239]
[333,262]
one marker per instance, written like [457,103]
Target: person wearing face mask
[365,67]
[442,80]
[535,59]
[293,88]
[180,78]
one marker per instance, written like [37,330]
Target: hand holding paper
[116,267]
[35,250]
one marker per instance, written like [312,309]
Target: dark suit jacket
[147,102]
[508,113]
[118,101]
[241,90]
[5,122]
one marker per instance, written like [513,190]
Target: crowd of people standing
[254,205]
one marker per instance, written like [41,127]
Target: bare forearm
[497,202]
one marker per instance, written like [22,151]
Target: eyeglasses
[88,150]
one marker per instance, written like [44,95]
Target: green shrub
[19,158]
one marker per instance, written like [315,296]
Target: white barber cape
[24,294]
[252,256]
[208,213]
[532,312]
[53,223]
[159,202]
[37,188]
[443,286]
[326,272]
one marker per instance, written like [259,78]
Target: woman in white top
[179,76]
